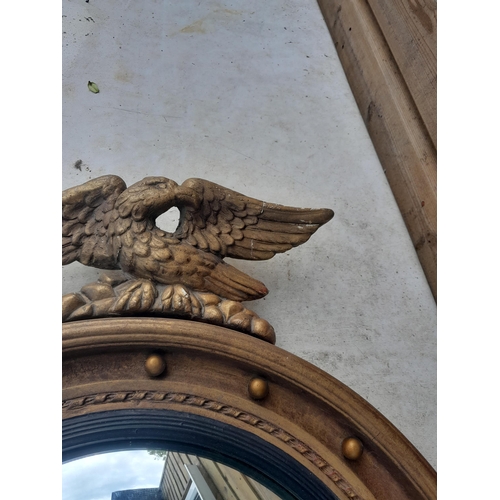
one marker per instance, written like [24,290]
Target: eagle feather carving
[109,226]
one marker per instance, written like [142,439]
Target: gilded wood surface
[109,226]
[307,413]
[79,404]
[114,295]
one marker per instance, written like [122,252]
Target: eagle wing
[230,224]
[87,211]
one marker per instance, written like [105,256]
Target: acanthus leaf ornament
[109,226]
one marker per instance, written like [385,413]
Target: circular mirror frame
[198,388]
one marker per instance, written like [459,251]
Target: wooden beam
[389,97]
[409,28]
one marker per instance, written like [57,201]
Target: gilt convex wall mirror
[161,352]
[210,391]
[253,100]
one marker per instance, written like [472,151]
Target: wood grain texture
[388,104]
[409,28]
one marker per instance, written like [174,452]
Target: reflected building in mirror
[189,477]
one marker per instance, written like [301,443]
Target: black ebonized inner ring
[120,430]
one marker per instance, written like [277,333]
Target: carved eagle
[109,226]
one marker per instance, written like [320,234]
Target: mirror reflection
[157,475]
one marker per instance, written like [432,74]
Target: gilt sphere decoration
[155,365]
[258,388]
[352,448]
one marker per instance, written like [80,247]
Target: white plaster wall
[253,96]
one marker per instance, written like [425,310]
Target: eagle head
[148,198]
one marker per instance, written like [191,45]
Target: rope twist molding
[214,406]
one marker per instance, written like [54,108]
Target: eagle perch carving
[109,226]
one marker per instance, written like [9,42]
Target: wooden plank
[178,465]
[264,493]
[163,480]
[195,460]
[173,494]
[176,479]
[167,493]
[177,484]
[175,487]
[218,479]
[393,121]
[409,28]
[190,459]
[198,461]
[239,483]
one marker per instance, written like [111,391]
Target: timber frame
[388,50]
[187,386]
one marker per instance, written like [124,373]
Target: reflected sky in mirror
[97,476]
[156,475]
